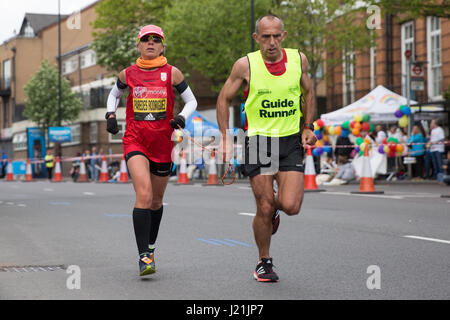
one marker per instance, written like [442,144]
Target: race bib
[149,103]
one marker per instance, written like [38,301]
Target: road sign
[417,70]
[408,54]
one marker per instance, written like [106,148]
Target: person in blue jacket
[416,144]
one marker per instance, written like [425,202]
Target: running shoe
[275,221]
[147,264]
[264,271]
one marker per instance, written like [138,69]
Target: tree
[416,8]
[41,106]
[210,35]
[321,27]
[117,26]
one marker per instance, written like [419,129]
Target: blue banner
[59,134]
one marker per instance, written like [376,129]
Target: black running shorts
[157,168]
[266,155]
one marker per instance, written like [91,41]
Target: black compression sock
[141,223]
[155,218]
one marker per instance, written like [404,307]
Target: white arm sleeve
[113,99]
[190,103]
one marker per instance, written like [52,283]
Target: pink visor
[151,29]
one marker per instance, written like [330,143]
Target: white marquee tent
[380,104]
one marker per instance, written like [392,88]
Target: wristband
[309,126]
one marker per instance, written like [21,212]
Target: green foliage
[117,26]
[41,106]
[325,26]
[210,35]
[411,9]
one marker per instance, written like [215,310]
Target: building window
[5,114]
[407,44]
[434,51]
[88,59]
[93,132]
[6,74]
[118,137]
[75,135]
[28,30]
[348,76]
[20,141]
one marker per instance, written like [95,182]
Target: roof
[39,21]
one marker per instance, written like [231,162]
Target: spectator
[49,163]
[380,134]
[4,165]
[342,153]
[75,171]
[87,159]
[417,149]
[437,137]
[446,167]
[345,173]
[93,164]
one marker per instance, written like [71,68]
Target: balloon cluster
[322,144]
[361,144]
[390,147]
[402,114]
[358,124]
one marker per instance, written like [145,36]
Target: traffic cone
[310,173]
[366,184]
[213,178]
[182,175]
[57,177]
[83,176]
[104,172]
[123,171]
[9,172]
[28,172]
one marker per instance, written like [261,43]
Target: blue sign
[60,134]
[36,149]
[19,167]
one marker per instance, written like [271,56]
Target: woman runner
[147,143]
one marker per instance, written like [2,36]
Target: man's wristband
[108,114]
[309,126]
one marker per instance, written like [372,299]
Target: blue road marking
[226,242]
[60,203]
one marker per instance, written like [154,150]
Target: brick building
[428,38]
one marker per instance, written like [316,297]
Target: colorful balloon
[357,125]
[398,114]
[320,123]
[346,125]
[359,141]
[355,132]
[399,148]
[337,130]
[366,117]
[365,126]
[381,149]
[358,117]
[403,122]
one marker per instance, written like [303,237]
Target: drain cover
[36,268]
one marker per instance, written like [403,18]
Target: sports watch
[309,126]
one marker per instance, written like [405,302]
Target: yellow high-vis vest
[273,105]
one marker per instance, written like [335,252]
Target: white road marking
[48,189]
[428,239]
[245,188]
[247,214]
[89,193]
[364,195]
[21,205]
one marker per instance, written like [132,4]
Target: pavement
[75,241]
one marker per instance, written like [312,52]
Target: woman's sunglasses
[155,39]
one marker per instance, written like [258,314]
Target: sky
[13,11]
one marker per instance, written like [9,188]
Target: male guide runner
[274,80]
[147,142]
